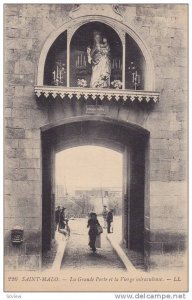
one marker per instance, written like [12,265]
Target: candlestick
[133,77]
[53,75]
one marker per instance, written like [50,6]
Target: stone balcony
[52,92]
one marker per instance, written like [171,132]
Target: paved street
[78,254]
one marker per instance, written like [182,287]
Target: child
[105,46]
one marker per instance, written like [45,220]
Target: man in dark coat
[57,217]
[109,220]
[105,216]
[62,221]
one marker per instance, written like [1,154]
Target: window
[55,72]
[134,66]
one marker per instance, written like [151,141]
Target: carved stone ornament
[80,10]
[45,92]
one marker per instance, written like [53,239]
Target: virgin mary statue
[100,58]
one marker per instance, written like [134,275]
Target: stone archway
[129,139]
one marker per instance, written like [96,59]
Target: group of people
[60,219]
[95,229]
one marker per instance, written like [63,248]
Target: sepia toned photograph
[95,147]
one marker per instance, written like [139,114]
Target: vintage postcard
[95,122]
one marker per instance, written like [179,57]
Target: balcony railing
[53,92]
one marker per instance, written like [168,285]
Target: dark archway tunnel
[126,138]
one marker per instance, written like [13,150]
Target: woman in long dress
[99,57]
[93,231]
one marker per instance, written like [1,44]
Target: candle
[53,75]
[57,72]
[60,75]
[78,60]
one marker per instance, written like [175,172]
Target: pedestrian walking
[62,222]
[109,220]
[57,217]
[95,229]
[105,211]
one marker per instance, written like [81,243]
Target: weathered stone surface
[11,262]
[170,188]
[24,67]
[32,262]
[30,163]
[15,133]
[166,261]
[33,174]
[16,174]
[12,222]
[29,144]
[32,223]
[12,163]
[169,223]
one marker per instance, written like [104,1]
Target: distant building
[60,195]
[109,196]
[99,192]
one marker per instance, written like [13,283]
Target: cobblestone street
[78,255]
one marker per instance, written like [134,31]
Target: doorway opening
[131,142]
[89,179]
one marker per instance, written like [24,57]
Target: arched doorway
[130,140]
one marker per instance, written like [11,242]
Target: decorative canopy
[52,92]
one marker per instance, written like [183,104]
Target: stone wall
[163,28]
